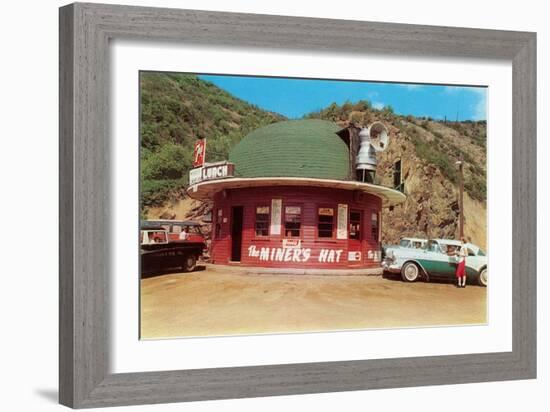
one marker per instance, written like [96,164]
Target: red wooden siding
[309,199]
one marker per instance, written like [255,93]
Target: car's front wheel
[190,263]
[410,272]
[482,277]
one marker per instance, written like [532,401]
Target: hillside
[177,109]
[428,150]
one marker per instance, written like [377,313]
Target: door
[236,233]
[436,262]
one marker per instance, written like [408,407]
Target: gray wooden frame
[85,31]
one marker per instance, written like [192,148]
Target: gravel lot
[214,301]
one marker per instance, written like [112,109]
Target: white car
[436,259]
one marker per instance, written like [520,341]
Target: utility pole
[460,164]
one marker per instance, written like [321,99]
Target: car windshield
[474,250]
[404,243]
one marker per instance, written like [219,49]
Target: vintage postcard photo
[286,205]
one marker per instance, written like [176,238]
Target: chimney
[371,140]
[366,158]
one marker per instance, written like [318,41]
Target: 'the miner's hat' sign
[211,171]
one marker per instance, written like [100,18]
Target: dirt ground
[214,301]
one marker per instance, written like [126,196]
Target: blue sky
[294,98]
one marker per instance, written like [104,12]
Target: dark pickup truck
[160,253]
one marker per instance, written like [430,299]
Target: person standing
[184,234]
[461,266]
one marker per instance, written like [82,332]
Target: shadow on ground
[437,280]
[199,268]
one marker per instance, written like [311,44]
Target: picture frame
[85,32]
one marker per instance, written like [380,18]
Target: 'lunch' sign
[211,171]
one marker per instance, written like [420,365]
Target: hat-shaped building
[294,195]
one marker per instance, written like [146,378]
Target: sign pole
[460,164]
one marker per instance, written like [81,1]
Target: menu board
[293,210]
[326,211]
[262,210]
[276,206]
[342,230]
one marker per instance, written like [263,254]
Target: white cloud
[477,94]
[412,86]
[480,108]
[378,105]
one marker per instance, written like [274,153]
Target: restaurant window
[325,222]
[293,218]
[262,221]
[355,224]
[374,226]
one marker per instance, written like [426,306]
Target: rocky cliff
[428,150]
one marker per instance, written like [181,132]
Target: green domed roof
[294,148]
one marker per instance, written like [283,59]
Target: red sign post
[199,153]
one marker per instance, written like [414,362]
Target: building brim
[207,189]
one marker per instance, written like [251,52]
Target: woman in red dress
[461,266]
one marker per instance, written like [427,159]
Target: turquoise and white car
[436,259]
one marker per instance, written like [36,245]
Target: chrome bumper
[389,266]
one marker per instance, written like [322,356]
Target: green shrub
[155,192]
[170,162]
[476,186]
[430,154]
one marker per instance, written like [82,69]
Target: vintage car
[159,252]
[177,229]
[438,258]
